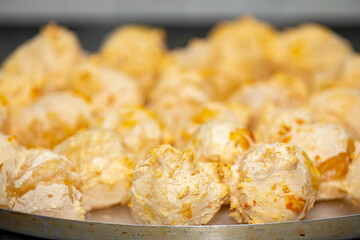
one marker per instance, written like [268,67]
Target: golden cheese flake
[297,48]
[299,121]
[129,123]
[286,139]
[247,205]
[240,139]
[294,203]
[285,189]
[196,172]
[186,210]
[158,174]
[284,129]
[12,139]
[204,116]
[334,168]
[291,150]
[3,100]
[183,192]
[149,212]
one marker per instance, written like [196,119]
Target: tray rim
[342,227]
[176,226]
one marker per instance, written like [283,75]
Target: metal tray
[327,220]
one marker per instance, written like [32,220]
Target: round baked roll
[178,96]
[275,122]
[220,141]
[50,120]
[330,148]
[45,60]
[104,88]
[240,53]
[38,181]
[137,51]
[9,147]
[105,167]
[170,188]
[272,183]
[234,112]
[339,106]
[312,51]
[139,128]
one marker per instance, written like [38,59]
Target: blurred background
[93,19]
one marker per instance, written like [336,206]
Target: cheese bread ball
[137,51]
[352,181]
[46,59]
[220,141]
[340,106]
[105,88]
[50,119]
[105,167]
[312,51]
[139,128]
[241,51]
[9,147]
[178,96]
[350,73]
[280,89]
[275,122]
[330,148]
[272,183]
[234,112]
[171,188]
[38,181]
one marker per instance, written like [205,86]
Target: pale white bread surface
[139,128]
[41,182]
[52,201]
[330,148]
[234,112]
[281,89]
[311,51]
[137,51]
[50,119]
[104,87]
[272,183]
[275,122]
[340,106]
[170,188]
[104,166]
[352,182]
[220,141]
[46,59]
[9,147]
